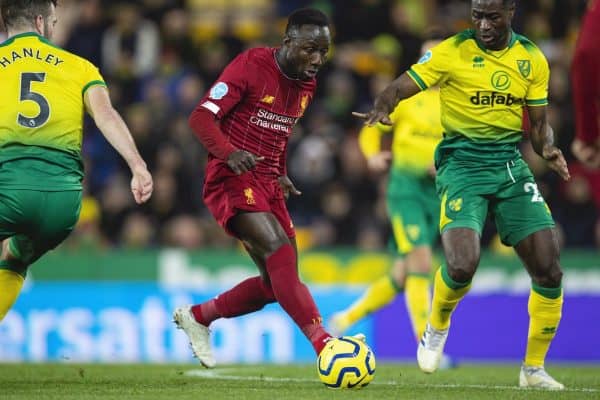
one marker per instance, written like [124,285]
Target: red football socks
[294,297]
[246,297]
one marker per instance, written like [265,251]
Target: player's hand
[556,161]
[588,154]
[242,161]
[141,184]
[287,186]
[380,162]
[374,116]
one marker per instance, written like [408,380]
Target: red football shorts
[225,194]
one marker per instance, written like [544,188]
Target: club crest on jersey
[249,194]
[524,67]
[425,57]
[218,91]
[268,99]
[304,102]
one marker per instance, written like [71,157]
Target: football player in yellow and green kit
[412,203]
[487,75]
[45,91]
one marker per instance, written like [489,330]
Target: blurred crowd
[159,57]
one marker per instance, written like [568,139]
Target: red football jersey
[258,105]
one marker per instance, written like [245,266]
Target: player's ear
[40,25]
[286,40]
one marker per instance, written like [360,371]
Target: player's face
[308,47]
[492,21]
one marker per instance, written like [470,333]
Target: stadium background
[107,293]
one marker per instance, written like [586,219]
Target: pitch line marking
[226,374]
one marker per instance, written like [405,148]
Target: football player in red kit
[245,121]
[585,79]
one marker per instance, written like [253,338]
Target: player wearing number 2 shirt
[245,121]
[487,75]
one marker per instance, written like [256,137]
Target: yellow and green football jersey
[416,129]
[482,91]
[42,107]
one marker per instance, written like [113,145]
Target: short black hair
[17,12]
[306,16]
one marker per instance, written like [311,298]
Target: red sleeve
[204,124]
[229,89]
[224,94]
[585,78]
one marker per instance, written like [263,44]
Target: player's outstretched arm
[401,88]
[116,132]
[542,140]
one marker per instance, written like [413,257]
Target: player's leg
[417,287]
[11,279]
[524,222]
[540,254]
[51,216]
[419,260]
[462,213]
[264,233]
[248,296]
[379,294]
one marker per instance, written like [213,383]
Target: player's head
[29,15]
[492,20]
[306,43]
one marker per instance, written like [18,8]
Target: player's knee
[550,277]
[272,244]
[462,269]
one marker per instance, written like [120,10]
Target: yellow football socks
[446,295]
[10,287]
[380,293]
[417,297]
[545,310]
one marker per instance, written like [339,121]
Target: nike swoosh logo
[351,385]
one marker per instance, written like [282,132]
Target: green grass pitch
[66,381]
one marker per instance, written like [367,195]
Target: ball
[346,362]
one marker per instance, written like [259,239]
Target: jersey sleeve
[229,89]
[90,76]
[433,67]
[537,93]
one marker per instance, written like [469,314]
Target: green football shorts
[413,208]
[468,190]
[36,221]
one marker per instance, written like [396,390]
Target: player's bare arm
[542,140]
[401,88]
[116,132]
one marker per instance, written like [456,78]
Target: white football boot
[431,349]
[360,337]
[537,377]
[198,334]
